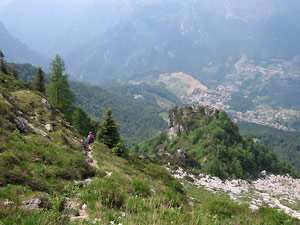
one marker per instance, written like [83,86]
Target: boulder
[263,174]
[69,127]
[46,103]
[152,191]
[49,127]
[78,183]
[181,154]
[88,181]
[71,204]
[31,204]
[20,126]
[7,203]
[20,113]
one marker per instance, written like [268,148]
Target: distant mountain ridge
[16,51]
[109,40]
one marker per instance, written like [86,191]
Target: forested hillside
[285,144]
[135,107]
[215,144]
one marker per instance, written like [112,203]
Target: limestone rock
[88,181]
[108,174]
[84,207]
[181,154]
[20,113]
[262,174]
[69,127]
[35,130]
[152,191]
[273,191]
[46,103]
[20,126]
[182,118]
[78,183]
[7,203]
[31,205]
[49,127]
[71,204]
[73,218]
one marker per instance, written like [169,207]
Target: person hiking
[90,140]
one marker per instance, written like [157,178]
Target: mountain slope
[18,52]
[136,37]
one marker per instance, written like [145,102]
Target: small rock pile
[274,190]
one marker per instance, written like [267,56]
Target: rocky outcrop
[182,118]
[25,122]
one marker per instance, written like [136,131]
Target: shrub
[273,216]
[111,193]
[141,188]
[224,208]
[173,198]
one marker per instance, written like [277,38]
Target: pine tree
[109,135]
[108,132]
[39,83]
[81,121]
[58,90]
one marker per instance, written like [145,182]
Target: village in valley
[262,113]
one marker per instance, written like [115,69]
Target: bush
[173,198]
[224,208]
[141,188]
[112,194]
[273,216]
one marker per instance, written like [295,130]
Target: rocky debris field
[281,192]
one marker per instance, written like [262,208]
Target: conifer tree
[109,135]
[39,83]
[81,121]
[2,63]
[58,90]
[12,71]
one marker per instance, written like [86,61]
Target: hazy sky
[4,3]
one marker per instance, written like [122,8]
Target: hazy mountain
[102,40]
[16,51]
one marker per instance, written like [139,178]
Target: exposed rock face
[33,128]
[181,119]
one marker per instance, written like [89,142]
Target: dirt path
[94,162]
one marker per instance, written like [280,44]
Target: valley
[245,94]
